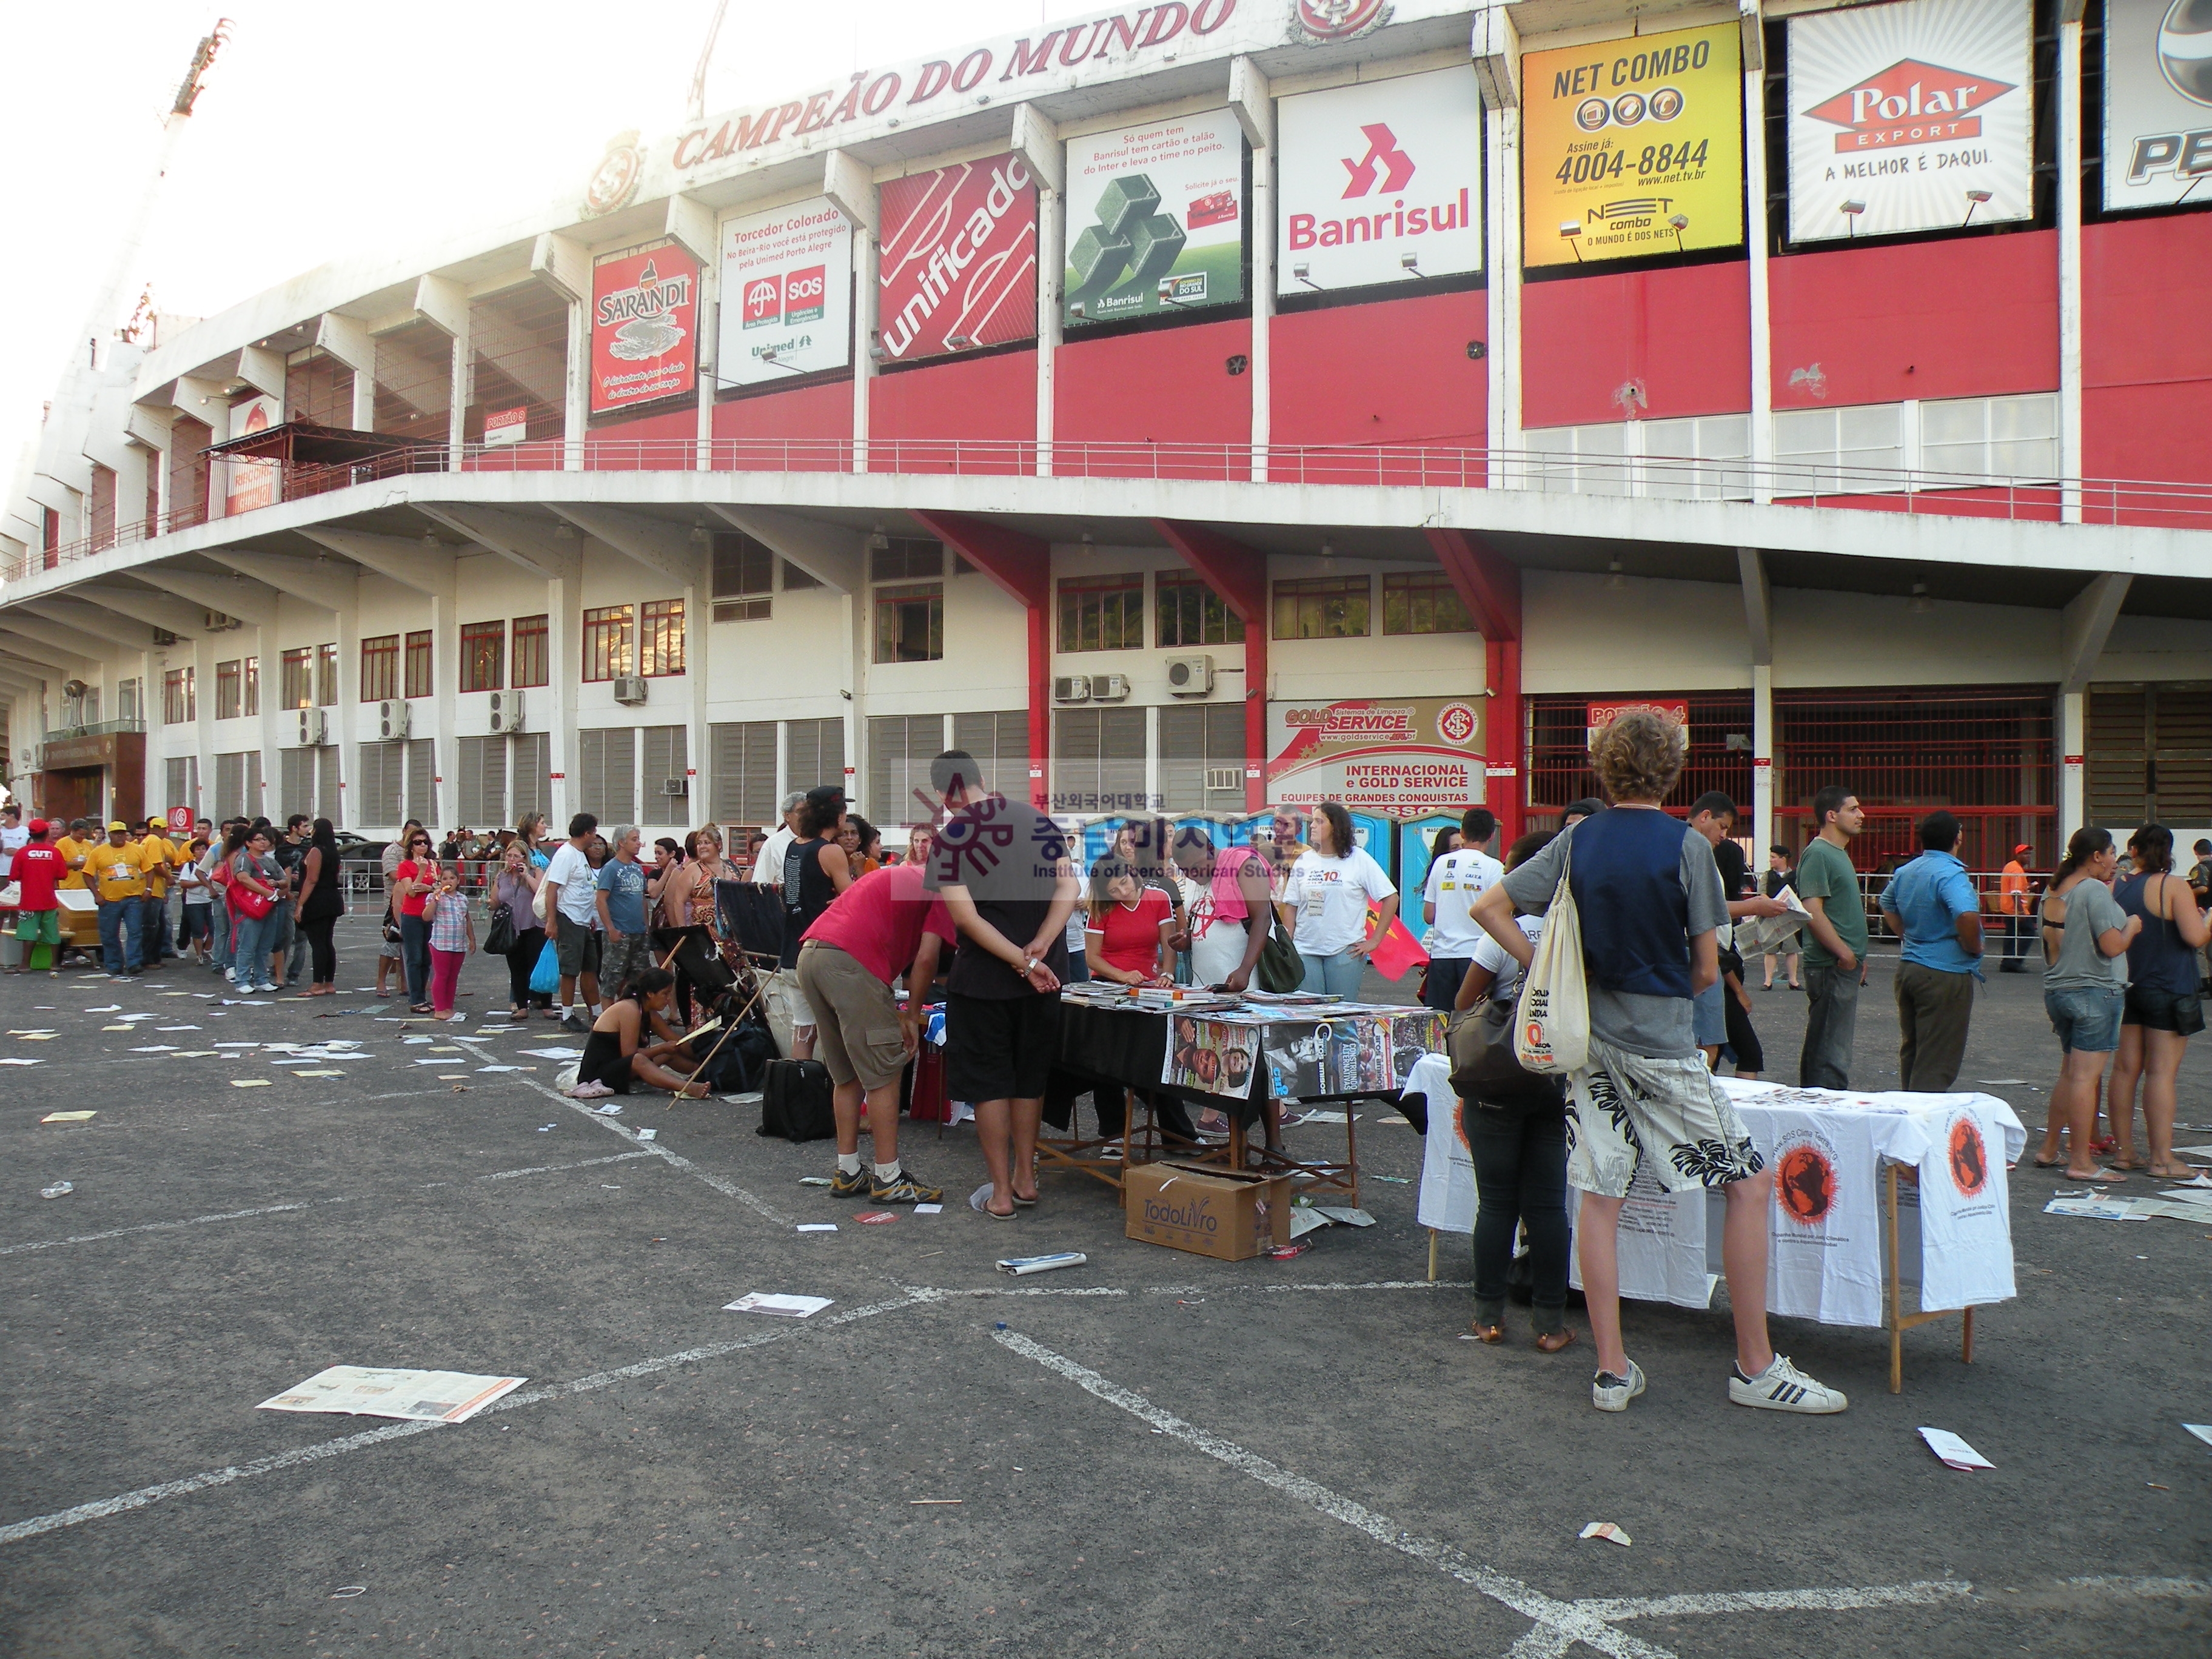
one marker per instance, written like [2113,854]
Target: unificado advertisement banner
[1395,756]
[1632,147]
[252,483]
[1915,115]
[1155,219]
[2158,102]
[787,293]
[958,265]
[1379,182]
[645,328]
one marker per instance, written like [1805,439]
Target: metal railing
[2142,502]
[95,729]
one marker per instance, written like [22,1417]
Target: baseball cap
[119,824]
[2018,850]
[825,794]
[38,826]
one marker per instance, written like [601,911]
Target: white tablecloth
[1826,1148]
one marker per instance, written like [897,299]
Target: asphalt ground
[1155,1453]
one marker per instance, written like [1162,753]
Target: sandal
[2096,1175]
[1488,1332]
[1552,1341]
[2170,1170]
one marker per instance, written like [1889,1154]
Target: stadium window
[253,686]
[910,623]
[1322,608]
[1836,452]
[530,660]
[326,674]
[2015,437]
[229,696]
[906,559]
[607,641]
[1187,612]
[745,575]
[178,704]
[661,638]
[417,665]
[1423,602]
[297,682]
[380,668]
[795,579]
[1103,613]
[483,656]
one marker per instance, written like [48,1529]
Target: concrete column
[2070,268]
[710,290]
[868,295]
[1502,207]
[577,410]
[564,626]
[268,652]
[340,731]
[1051,232]
[1762,762]
[1759,238]
[445,698]
[1252,100]
[2073,806]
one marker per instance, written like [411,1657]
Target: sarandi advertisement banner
[957,265]
[1155,219]
[1914,116]
[252,483]
[645,328]
[787,293]
[1379,182]
[2158,102]
[1632,147]
[1395,756]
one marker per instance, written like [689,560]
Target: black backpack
[795,1100]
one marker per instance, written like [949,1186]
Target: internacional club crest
[614,180]
[1319,23]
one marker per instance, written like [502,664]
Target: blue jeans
[257,938]
[1336,976]
[122,924]
[154,929]
[1832,1016]
[415,952]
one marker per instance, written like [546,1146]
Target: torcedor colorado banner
[1632,147]
[787,293]
[1396,757]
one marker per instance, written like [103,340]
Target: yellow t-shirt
[118,872]
[158,850]
[71,850]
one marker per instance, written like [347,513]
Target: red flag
[1397,950]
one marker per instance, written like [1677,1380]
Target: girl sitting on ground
[616,1054]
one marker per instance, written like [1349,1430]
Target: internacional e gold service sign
[1632,147]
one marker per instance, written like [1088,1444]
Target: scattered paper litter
[612,1108]
[814,1181]
[876,1219]
[238,1045]
[1022,1265]
[1955,1453]
[323,1073]
[420,1396]
[59,1190]
[929,1209]
[547,1053]
[115,1028]
[1606,1530]
[2096,1206]
[976,1198]
[69,1117]
[1346,1214]
[817,1226]
[2202,1431]
[2001,1082]
[1305,1218]
[1318,1117]
[499,1068]
[249,1083]
[784,1307]
[444,1049]
[171,1047]
[649,1135]
[196,1053]
[111,1008]
[18,1059]
[176,1028]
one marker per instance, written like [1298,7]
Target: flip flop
[2050,1163]
[1029,1203]
[2097,1175]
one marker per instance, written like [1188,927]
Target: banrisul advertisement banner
[1395,756]
[787,293]
[1915,115]
[1632,147]
[958,265]
[1155,219]
[1379,182]
[2158,102]
[645,328]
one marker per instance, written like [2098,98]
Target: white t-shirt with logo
[12,841]
[1504,972]
[579,884]
[1454,881]
[1330,897]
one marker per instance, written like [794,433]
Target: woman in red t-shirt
[1126,939]
[411,882]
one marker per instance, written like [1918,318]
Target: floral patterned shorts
[1625,1107]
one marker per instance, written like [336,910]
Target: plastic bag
[545,977]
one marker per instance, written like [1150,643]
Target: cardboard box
[1229,1214]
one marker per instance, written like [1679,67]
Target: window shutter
[295,786]
[327,802]
[531,755]
[667,756]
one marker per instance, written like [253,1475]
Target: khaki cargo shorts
[856,1017]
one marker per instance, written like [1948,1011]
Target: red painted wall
[805,430]
[986,403]
[1170,387]
[1974,318]
[1685,332]
[1394,372]
[660,442]
[2146,349]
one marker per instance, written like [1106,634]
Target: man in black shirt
[1004,871]
[1713,816]
[291,852]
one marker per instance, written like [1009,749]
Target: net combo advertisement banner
[787,293]
[2158,102]
[1155,219]
[959,264]
[1379,182]
[1910,117]
[1632,147]
[645,328]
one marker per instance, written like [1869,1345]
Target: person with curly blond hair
[1650,901]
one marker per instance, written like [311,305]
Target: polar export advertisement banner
[787,293]
[958,266]
[1632,147]
[1380,182]
[1155,219]
[1910,117]
[1399,756]
[645,328]
[2158,101]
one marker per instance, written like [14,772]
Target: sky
[323,130]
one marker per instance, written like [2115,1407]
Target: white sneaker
[1783,1388]
[1609,1393]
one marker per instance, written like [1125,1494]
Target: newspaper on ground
[1022,1265]
[418,1396]
[1955,1453]
[784,1307]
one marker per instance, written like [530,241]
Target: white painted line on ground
[162,1227]
[550,1169]
[16,1532]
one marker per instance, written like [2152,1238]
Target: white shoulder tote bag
[1552,1027]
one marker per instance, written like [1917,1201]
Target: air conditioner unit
[313,728]
[1109,688]
[675,786]
[392,720]
[631,689]
[163,638]
[215,623]
[1224,777]
[507,711]
[1189,676]
[1072,688]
